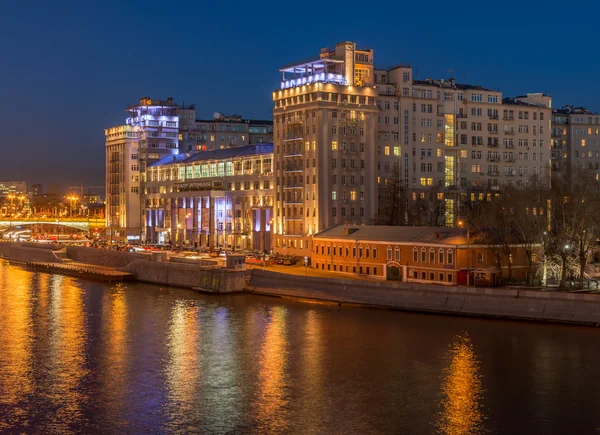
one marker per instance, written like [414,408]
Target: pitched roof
[393,234]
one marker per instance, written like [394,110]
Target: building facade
[575,142]
[150,133]
[13,188]
[324,134]
[223,131]
[412,254]
[445,141]
[213,199]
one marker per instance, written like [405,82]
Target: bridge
[76,223]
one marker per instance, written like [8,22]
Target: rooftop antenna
[450,72]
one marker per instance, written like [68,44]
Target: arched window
[441,256]
[415,255]
[374,248]
[389,253]
[423,255]
[450,256]
[397,252]
[431,255]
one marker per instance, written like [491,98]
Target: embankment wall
[217,280]
[16,252]
[548,306]
[104,257]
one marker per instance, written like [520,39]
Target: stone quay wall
[210,279]
[550,306]
[104,257]
[26,254]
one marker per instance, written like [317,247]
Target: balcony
[492,131]
[294,139]
[508,118]
[509,131]
[298,219]
[510,159]
[492,145]
[493,116]
[493,159]
[293,154]
[461,115]
[509,146]
[294,186]
[294,201]
[493,173]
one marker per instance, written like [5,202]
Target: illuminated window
[439,152]
[386,151]
[334,195]
[582,142]
[396,151]
[463,154]
[334,145]
[353,195]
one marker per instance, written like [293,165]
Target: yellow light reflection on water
[115,309]
[67,339]
[462,391]
[16,338]
[182,371]
[272,397]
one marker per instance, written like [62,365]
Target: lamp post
[265,243]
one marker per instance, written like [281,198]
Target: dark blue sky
[68,69]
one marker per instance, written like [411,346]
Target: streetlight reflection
[462,391]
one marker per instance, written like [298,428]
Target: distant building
[12,188]
[223,131]
[36,190]
[215,199]
[89,199]
[575,142]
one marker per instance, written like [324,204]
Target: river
[86,357]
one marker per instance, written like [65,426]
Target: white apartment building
[150,133]
[324,134]
[575,142]
[453,140]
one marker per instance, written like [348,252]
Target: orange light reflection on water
[272,396]
[67,339]
[16,379]
[183,341]
[462,391]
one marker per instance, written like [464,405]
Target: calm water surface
[86,357]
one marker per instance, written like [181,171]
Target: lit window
[386,151]
[334,145]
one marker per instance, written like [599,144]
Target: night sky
[68,69]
